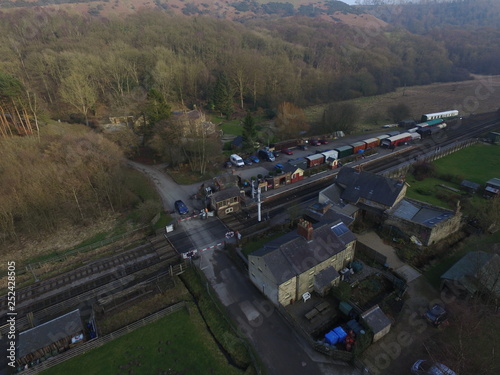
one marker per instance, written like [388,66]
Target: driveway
[372,240]
[168,189]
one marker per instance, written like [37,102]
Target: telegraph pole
[258,204]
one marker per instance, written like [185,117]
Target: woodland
[80,68]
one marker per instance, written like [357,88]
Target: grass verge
[483,243]
[176,344]
[216,318]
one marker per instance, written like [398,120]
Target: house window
[311,285]
[260,269]
[288,282]
[235,199]
[288,295]
[229,210]
[311,272]
[253,275]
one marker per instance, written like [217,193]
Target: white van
[237,160]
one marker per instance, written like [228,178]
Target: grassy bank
[176,344]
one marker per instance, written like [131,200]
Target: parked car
[254,159]
[236,160]
[287,151]
[323,141]
[303,147]
[181,207]
[248,161]
[314,142]
[423,367]
[276,153]
[228,164]
[279,167]
[436,315]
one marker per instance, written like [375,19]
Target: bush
[423,170]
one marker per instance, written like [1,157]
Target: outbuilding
[377,321]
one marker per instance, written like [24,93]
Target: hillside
[331,11]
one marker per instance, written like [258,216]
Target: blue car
[279,166]
[254,159]
[181,207]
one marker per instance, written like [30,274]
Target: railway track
[49,297]
[456,132]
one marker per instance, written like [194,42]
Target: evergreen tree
[223,96]
[249,132]
[156,110]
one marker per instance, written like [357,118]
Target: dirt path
[168,189]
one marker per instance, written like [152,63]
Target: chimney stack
[305,229]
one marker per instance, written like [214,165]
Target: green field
[176,344]
[477,163]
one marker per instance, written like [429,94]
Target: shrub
[423,170]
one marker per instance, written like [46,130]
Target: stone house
[426,222]
[227,201]
[308,260]
[368,191]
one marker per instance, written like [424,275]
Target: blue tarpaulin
[341,334]
[331,338]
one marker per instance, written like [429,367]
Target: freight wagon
[358,147]
[344,151]
[395,140]
[333,154]
[445,114]
[381,137]
[371,142]
[430,130]
[393,133]
[314,160]
[430,123]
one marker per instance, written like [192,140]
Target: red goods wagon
[358,147]
[396,140]
[314,160]
[372,142]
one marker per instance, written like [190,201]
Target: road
[279,347]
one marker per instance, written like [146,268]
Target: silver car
[423,367]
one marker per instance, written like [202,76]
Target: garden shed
[377,321]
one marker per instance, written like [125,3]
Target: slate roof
[47,333]
[325,277]
[291,168]
[424,215]
[476,266]
[376,319]
[494,182]
[292,254]
[332,193]
[369,186]
[470,184]
[329,216]
[230,192]
[299,163]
